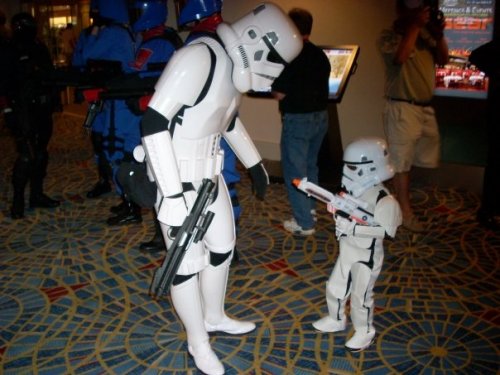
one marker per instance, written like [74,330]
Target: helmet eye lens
[352,167]
[270,39]
[273,57]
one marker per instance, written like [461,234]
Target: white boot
[213,282]
[360,340]
[328,324]
[186,299]
[335,321]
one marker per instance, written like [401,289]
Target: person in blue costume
[104,182]
[115,41]
[158,43]
[204,16]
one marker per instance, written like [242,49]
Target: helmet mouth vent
[244,57]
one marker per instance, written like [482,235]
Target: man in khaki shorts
[410,49]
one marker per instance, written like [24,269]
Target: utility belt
[413,102]
[198,169]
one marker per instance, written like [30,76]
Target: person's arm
[441,55]
[179,86]
[411,24]
[278,95]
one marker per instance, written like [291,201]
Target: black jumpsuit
[27,64]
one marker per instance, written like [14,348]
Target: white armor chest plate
[196,139]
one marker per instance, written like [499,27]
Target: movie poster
[469,24]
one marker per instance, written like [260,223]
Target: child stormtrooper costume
[366,166]
[195,103]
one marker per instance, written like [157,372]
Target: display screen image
[469,24]
[343,64]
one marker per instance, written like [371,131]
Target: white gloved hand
[344,226]
[173,211]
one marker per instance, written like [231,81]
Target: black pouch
[135,183]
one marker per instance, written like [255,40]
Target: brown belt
[414,102]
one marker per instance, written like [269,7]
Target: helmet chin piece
[241,72]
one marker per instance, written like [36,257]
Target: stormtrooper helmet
[366,164]
[260,44]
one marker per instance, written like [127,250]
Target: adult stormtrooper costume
[366,166]
[195,103]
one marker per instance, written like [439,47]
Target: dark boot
[37,196]
[121,208]
[100,188]
[17,209]
[130,216]
[43,201]
[156,244]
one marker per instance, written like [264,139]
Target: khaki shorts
[412,135]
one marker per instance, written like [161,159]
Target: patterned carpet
[74,292]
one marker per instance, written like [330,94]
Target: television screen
[343,64]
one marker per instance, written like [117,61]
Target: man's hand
[260,180]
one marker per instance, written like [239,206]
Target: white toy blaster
[343,204]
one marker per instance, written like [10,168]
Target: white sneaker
[328,324]
[314,215]
[294,228]
[360,341]
[231,326]
[205,359]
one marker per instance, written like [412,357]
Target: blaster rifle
[95,106]
[136,90]
[344,204]
[192,230]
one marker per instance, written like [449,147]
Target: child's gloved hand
[344,226]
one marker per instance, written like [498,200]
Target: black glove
[135,183]
[10,119]
[135,106]
[260,180]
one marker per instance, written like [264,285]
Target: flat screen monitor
[343,63]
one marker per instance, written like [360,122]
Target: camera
[436,15]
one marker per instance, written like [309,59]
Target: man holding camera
[411,48]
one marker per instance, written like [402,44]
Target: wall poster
[469,24]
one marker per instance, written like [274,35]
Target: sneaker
[294,228]
[328,324]
[314,215]
[413,224]
[360,341]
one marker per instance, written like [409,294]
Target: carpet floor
[74,291]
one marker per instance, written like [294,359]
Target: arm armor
[241,143]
